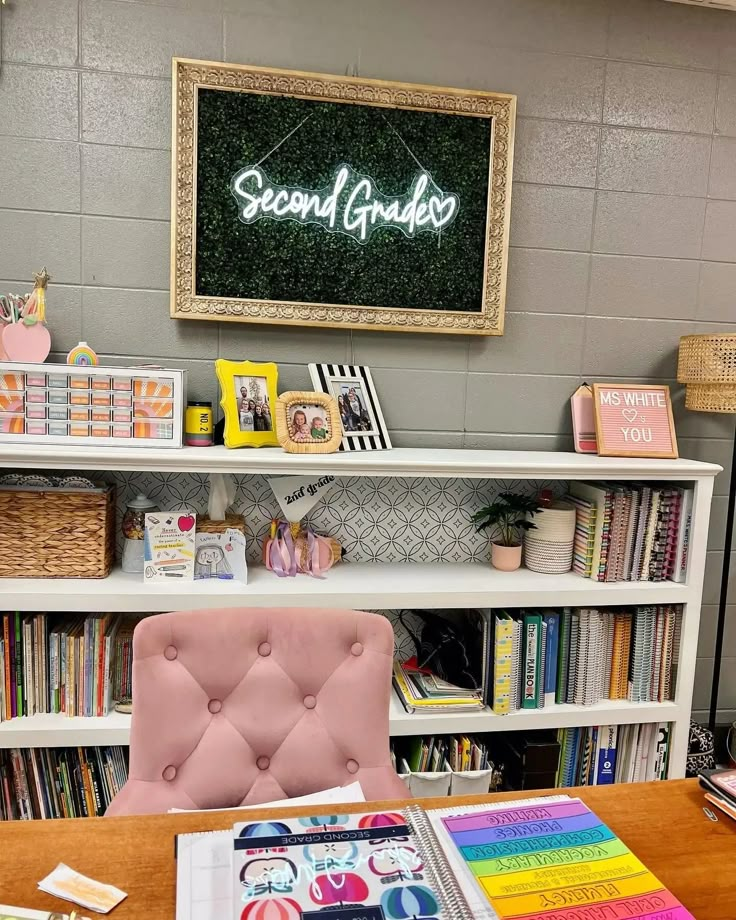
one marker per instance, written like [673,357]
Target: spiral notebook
[537,859]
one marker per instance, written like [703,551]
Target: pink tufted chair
[237,707]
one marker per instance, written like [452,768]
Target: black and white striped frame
[327,378]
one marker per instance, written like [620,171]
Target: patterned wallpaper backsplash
[377,519]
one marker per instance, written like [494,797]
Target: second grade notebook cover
[341,867]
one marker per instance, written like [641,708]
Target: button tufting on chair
[261,692]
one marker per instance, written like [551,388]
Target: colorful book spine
[605,767]
[8,664]
[551,656]
[532,656]
[18,665]
[502,663]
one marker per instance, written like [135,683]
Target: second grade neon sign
[352,203]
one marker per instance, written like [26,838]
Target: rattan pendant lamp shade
[706,364]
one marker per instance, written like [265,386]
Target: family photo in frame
[361,419]
[248,393]
[307,422]
[254,412]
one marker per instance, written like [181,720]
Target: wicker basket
[205,525]
[707,364]
[56,534]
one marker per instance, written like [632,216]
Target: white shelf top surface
[403,461]
[46,730]
[369,585]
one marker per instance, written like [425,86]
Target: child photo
[355,413]
[308,423]
[254,412]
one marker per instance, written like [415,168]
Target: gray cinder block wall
[623,215]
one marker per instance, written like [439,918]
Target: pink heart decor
[29,344]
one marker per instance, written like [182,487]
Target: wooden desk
[663,823]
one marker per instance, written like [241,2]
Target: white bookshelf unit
[379,585]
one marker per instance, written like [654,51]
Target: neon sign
[352,203]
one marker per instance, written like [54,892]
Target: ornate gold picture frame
[421,250]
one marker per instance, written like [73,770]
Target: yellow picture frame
[245,388]
[309,444]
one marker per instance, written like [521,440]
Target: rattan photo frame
[308,422]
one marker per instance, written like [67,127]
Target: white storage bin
[471,782]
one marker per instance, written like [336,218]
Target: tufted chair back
[242,706]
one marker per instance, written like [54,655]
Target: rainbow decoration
[82,355]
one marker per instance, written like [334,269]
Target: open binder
[537,858]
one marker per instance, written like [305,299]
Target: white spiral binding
[446,886]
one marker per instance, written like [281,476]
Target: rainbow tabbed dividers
[558,862]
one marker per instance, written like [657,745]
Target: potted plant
[507,517]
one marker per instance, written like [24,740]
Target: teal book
[531,687]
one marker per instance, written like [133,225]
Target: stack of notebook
[581,656]
[604,754]
[420,690]
[433,753]
[631,532]
[519,859]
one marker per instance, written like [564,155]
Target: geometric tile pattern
[376,519]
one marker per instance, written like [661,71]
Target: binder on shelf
[682,542]
[551,655]
[605,758]
[563,664]
[516,671]
[532,660]
[502,662]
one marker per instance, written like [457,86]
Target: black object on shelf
[723,599]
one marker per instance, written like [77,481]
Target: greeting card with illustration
[168,547]
[221,555]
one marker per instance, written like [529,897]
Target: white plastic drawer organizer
[71,404]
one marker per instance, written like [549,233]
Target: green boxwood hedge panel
[286,260]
